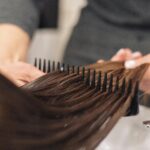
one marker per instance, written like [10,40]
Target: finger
[136,62]
[130,64]
[136,55]
[118,55]
[128,54]
[122,55]
[100,61]
[19,83]
[145,83]
[35,74]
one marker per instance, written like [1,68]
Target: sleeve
[23,13]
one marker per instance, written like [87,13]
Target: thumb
[122,55]
[130,64]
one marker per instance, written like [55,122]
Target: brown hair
[70,109]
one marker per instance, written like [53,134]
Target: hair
[71,109]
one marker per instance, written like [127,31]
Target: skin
[14,43]
[145,83]
[133,60]
[20,72]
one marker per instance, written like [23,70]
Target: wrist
[14,43]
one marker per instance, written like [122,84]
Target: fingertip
[119,56]
[100,61]
[120,51]
[127,50]
[130,64]
[19,83]
[136,55]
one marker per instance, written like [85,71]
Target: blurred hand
[125,54]
[130,64]
[20,72]
[132,60]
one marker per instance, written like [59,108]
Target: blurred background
[51,42]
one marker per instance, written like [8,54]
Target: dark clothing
[23,13]
[126,13]
[104,26]
[28,14]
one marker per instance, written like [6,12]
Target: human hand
[124,54]
[20,72]
[132,60]
[130,64]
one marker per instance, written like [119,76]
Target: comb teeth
[116,85]
[53,66]
[129,89]
[110,84]
[63,67]
[44,66]
[58,66]
[83,73]
[98,87]
[122,90]
[123,87]
[73,69]
[78,70]
[49,66]
[104,86]
[87,82]
[35,62]
[93,79]
[136,90]
[40,64]
[134,107]
[68,69]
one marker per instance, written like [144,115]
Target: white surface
[129,134]
[51,43]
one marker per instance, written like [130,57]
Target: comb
[89,77]
[48,66]
[102,118]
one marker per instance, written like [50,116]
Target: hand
[20,72]
[133,60]
[145,83]
[14,43]
[124,54]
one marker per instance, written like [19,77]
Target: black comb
[89,77]
[98,86]
[47,66]
[134,107]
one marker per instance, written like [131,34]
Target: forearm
[14,43]
[18,21]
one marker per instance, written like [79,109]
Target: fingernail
[130,64]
